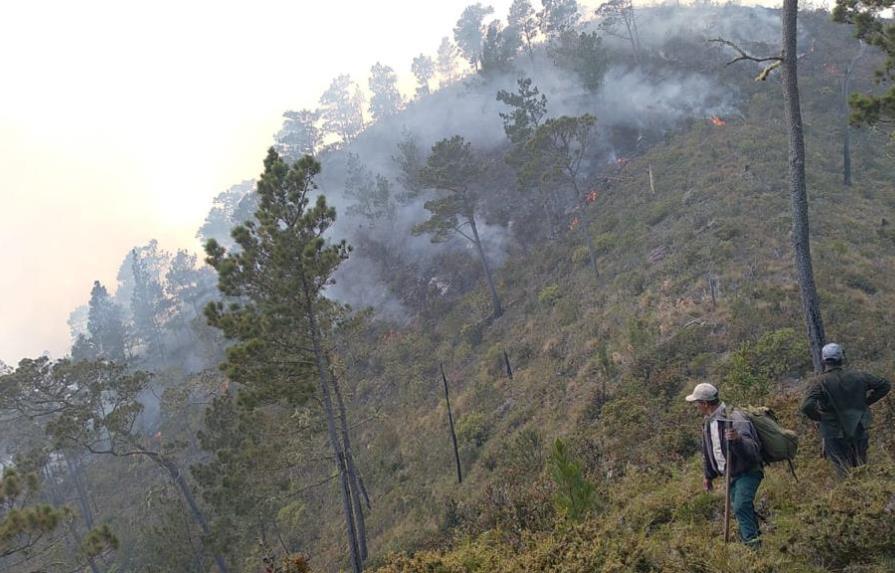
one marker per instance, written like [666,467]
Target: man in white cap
[840,400]
[729,437]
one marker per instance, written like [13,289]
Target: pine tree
[299,135]
[498,50]
[557,18]
[278,319]
[452,170]
[876,29]
[150,306]
[529,107]
[423,68]
[385,100]
[225,213]
[618,18]
[521,19]
[342,110]
[371,195]
[575,496]
[554,159]
[94,407]
[446,61]
[469,33]
[105,325]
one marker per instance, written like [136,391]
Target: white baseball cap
[832,352]
[703,393]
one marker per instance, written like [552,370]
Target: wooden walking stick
[727,465]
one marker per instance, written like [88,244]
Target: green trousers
[742,500]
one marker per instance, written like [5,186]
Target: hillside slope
[606,361]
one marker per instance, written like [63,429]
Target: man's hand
[731,435]
[707,484]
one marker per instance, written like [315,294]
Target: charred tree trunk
[797,186]
[354,481]
[506,361]
[495,300]
[332,433]
[447,399]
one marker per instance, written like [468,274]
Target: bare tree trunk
[447,399]
[84,502]
[633,35]
[797,185]
[195,510]
[495,300]
[846,128]
[352,473]
[335,444]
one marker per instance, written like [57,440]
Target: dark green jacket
[839,399]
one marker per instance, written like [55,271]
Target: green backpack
[777,444]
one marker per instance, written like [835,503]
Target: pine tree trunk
[195,510]
[495,300]
[352,473]
[797,185]
[846,136]
[334,442]
[846,128]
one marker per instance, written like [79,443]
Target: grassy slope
[605,361]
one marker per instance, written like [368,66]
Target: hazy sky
[119,121]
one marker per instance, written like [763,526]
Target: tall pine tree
[452,170]
[278,317]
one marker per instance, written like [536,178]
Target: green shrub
[605,242]
[756,367]
[549,295]
[473,429]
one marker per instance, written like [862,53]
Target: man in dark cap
[840,400]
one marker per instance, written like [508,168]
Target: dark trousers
[742,500]
[847,453]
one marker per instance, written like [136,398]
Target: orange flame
[574,224]
[621,161]
[591,197]
[158,436]
[717,121]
